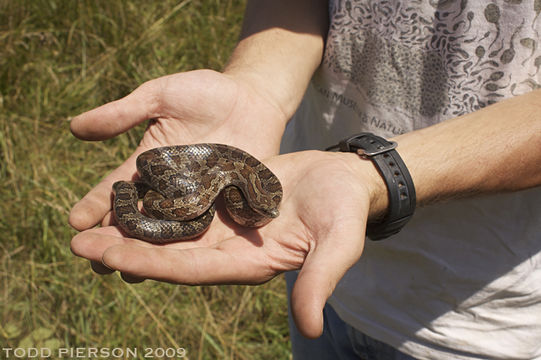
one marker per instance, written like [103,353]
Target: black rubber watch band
[396,176]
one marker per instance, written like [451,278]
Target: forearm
[280,48]
[493,150]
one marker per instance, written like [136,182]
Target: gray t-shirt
[463,279]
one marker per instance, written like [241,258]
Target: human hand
[327,198]
[197,106]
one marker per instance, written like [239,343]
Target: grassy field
[57,59]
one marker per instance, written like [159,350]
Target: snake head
[272,213]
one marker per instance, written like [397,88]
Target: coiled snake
[179,184]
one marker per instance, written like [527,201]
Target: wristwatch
[397,178]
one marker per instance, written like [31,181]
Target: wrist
[257,84]
[370,178]
[281,86]
[398,181]
[280,47]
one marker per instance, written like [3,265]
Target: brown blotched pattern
[179,184]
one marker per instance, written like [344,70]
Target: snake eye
[274,213]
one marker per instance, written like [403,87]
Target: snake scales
[179,184]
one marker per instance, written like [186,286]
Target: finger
[118,116]
[101,269]
[235,262]
[91,244]
[108,220]
[322,270]
[92,208]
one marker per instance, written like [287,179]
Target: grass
[59,58]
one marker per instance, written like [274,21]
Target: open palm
[197,106]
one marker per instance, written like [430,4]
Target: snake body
[179,185]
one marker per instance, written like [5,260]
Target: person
[453,83]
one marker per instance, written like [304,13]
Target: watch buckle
[380,150]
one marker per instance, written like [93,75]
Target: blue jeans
[339,341]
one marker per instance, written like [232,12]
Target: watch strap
[396,176]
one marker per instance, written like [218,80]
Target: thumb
[118,116]
[322,270]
